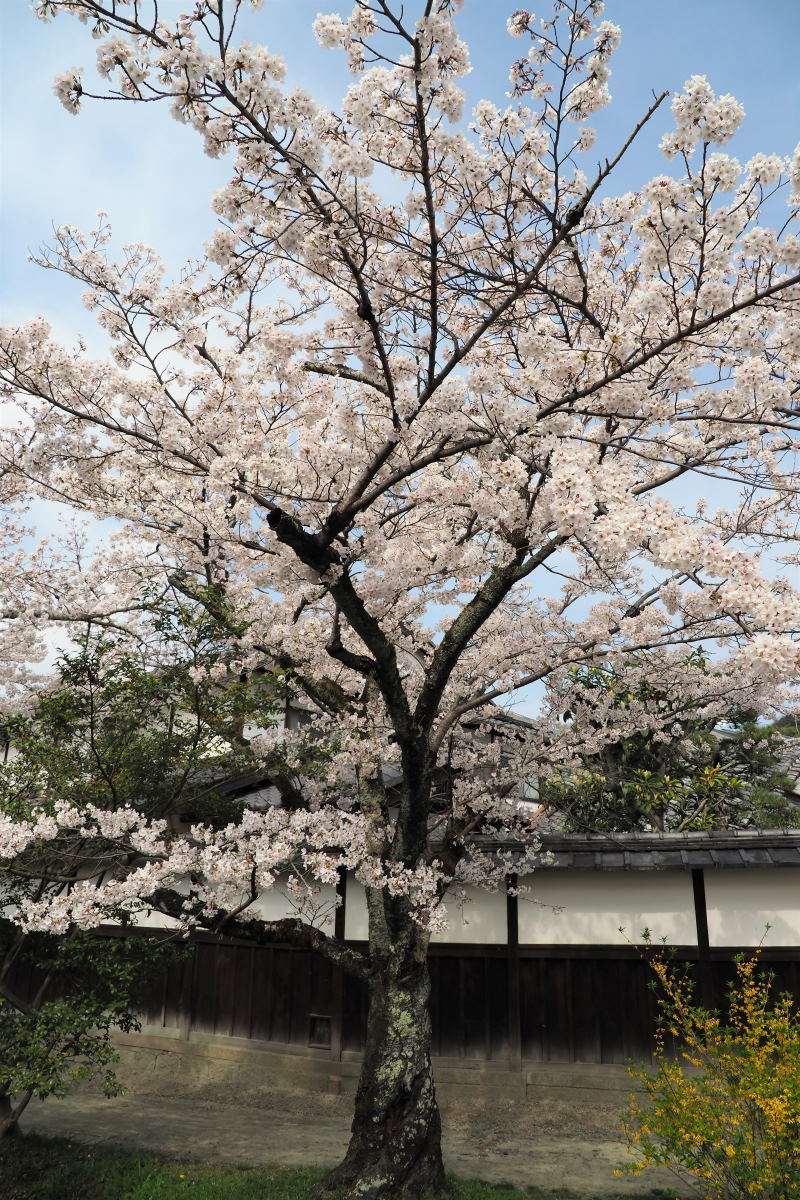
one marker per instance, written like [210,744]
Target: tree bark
[10,1115]
[5,1113]
[395,1147]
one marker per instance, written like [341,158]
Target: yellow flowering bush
[726,1105]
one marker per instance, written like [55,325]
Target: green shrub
[727,1108]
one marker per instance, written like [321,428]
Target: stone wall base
[240,1070]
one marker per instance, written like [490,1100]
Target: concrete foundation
[239,1068]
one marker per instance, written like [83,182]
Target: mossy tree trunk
[395,1147]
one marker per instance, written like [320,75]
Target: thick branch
[290,931]
[339,371]
[315,553]
[16,1001]
[681,334]
[474,614]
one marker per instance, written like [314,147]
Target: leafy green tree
[683,770]
[151,718]
[60,999]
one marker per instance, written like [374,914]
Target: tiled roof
[671,851]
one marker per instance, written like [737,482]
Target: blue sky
[151,176]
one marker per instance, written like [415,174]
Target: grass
[37,1168]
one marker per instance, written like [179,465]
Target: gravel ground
[557,1145]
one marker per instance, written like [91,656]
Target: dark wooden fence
[524,1004]
[588,1004]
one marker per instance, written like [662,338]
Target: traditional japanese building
[544,986]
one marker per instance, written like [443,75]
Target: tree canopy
[688,773]
[423,426]
[125,726]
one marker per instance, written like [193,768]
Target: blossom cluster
[423,442]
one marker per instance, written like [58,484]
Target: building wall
[271,905]
[480,919]
[567,1004]
[279,902]
[355,919]
[740,903]
[556,907]
[588,908]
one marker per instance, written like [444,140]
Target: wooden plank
[724,977]
[580,950]
[242,987]
[703,944]
[152,1000]
[456,950]
[514,979]
[487,1011]
[637,1034]
[461,1007]
[261,1026]
[354,1013]
[301,968]
[589,1004]
[178,992]
[434,1004]
[450,1033]
[163,1013]
[341,907]
[476,1038]
[497,1006]
[281,1006]
[337,1016]
[225,990]
[204,988]
[585,1014]
[558,984]
[250,975]
[320,998]
[533,1009]
[611,1010]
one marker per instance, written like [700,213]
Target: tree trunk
[9,1116]
[395,1148]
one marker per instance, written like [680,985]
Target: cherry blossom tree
[423,427]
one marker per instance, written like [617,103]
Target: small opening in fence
[319,1031]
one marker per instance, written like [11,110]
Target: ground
[499,1141]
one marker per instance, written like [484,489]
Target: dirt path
[501,1142]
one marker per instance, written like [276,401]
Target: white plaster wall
[594,904]
[355,913]
[271,905]
[318,908]
[741,902]
[154,920]
[481,919]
